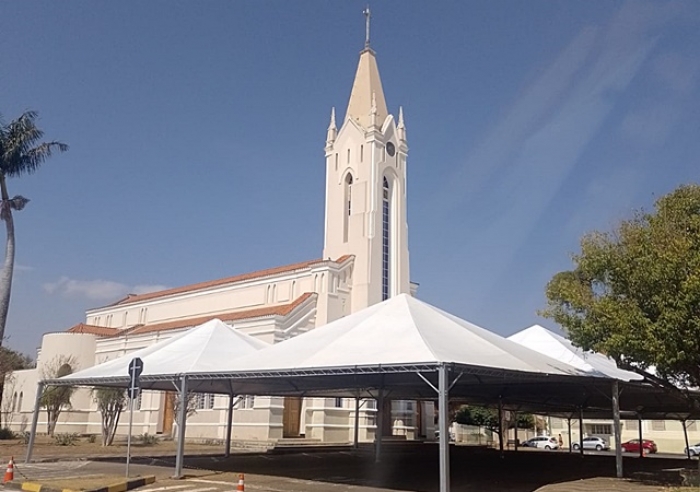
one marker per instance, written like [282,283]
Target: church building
[364,261]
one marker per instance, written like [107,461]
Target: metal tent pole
[515,438]
[641,440]
[570,440]
[443,422]
[229,426]
[356,435]
[380,426]
[35,421]
[500,425]
[616,426]
[685,434]
[580,430]
[181,422]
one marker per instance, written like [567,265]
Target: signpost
[135,370]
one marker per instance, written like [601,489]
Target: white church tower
[366,189]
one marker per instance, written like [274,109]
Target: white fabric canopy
[202,348]
[549,343]
[399,331]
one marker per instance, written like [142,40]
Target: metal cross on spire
[368,14]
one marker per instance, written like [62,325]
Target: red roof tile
[101,331]
[131,298]
[279,310]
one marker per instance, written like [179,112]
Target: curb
[117,487]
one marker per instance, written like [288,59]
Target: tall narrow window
[385,240]
[19,401]
[348,207]
[348,156]
[362,153]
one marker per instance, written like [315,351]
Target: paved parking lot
[403,468]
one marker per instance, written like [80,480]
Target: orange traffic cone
[10,473]
[241,484]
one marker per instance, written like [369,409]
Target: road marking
[169,487]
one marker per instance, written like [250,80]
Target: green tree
[21,152]
[488,418]
[10,361]
[110,403]
[56,398]
[634,292]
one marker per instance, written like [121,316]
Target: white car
[693,449]
[593,442]
[542,442]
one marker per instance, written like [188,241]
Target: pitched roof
[101,331]
[132,298]
[279,310]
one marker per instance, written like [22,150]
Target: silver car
[593,442]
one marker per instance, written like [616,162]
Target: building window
[347,207]
[362,153]
[336,161]
[348,156]
[14,402]
[339,403]
[19,401]
[601,429]
[385,240]
[205,401]
[246,402]
[658,425]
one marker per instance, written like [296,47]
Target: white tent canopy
[546,342]
[202,348]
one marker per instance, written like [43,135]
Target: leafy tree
[110,403]
[56,398]
[488,418]
[634,292]
[20,153]
[175,402]
[10,361]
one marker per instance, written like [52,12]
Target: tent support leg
[500,425]
[570,440]
[35,421]
[181,421]
[641,448]
[580,430]
[380,426]
[515,437]
[616,428]
[356,432]
[229,426]
[685,434]
[443,422]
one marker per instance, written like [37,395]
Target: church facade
[365,260]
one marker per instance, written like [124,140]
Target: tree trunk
[9,264]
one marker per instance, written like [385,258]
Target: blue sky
[529,124]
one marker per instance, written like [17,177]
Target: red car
[633,446]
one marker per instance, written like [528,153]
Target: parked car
[542,442]
[593,442]
[647,446]
[693,448]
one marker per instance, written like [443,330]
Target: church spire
[332,129]
[367,88]
[401,127]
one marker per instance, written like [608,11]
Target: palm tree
[20,154]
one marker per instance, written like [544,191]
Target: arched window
[385,239]
[14,402]
[19,401]
[348,206]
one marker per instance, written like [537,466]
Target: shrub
[6,433]
[148,439]
[65,439]
[24,437]
[92,438]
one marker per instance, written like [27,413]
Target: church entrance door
[169,413]
[291,418]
